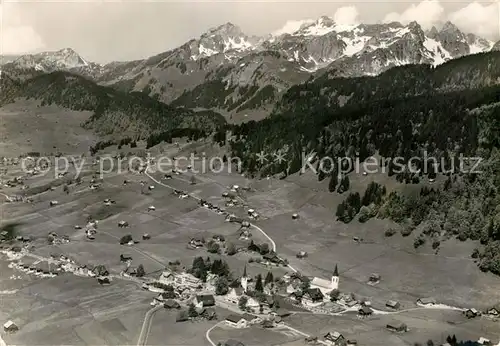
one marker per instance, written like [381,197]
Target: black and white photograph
[249,173]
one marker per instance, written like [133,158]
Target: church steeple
[335,279]
[244,280]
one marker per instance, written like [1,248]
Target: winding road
[146,325]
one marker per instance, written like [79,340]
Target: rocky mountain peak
[227,29]
[433,33]
[449,27]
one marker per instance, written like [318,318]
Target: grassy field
[91,314]
[27,126]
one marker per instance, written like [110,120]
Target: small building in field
[10,327]
[494,310]
[236,321]
[397,327]
[426,301]
[374,278]
[392,304]
[301,254]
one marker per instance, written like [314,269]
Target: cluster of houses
[245,320]
[212,207]
[18,198]
[55,239]
[311,293]
[35,267]
[16,181]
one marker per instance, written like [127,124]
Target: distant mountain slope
[115,112]
[410,112]
[306,109]
[237,74]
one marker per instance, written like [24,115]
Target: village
[193,290]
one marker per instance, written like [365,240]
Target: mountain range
[242,76]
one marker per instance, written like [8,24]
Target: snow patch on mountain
[436,52]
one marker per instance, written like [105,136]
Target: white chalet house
[234,295]
[186,279]
[326,286]
[236,321]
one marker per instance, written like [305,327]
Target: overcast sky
[124,30]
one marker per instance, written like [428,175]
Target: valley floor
[73,310]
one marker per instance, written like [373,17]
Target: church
[326,286]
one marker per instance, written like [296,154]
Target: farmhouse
[392,304]
[122,224]
[10,327]
[365,311]
[471,313]
[494,310]
[397,327]
[312,295]
[426,301]
[204,300]
[236,321]
[195,242]
[335,337]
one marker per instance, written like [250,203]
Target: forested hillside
[116,113]
[411,111]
